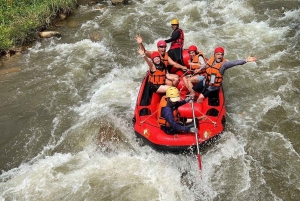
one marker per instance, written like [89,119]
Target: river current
[65,123]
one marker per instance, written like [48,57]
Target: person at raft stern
[158,72]
[177,42]
[197,60]
[168,116]
[161,49]
[215,69]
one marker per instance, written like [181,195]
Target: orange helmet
[219,49]
[193,48]
[155,54]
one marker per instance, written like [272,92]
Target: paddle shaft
[196,135]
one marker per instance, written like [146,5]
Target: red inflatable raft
[147,128]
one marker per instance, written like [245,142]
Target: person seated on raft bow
[161,49]
[215,69]
[168,116]
[158,73]
[195,75]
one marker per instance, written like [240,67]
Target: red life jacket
[178,43]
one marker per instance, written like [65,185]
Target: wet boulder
[95,36]
[114,2]
[49,34]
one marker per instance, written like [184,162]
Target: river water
[66,131]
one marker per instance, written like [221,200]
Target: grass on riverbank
[22,19]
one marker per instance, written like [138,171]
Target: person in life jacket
[161,48]
[177,42]
[197,60]
[215,69]
[168,116]
[158,72]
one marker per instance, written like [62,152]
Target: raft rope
[215,123]
[148,117]
[184,74]
[203,115]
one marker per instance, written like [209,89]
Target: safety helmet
[174,21]
[155,54]
[161,43]
[193,48]
[173,94]
[219,49]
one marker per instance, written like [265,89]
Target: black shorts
[199,87]
[154,87]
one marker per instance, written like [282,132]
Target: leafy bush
[21,19]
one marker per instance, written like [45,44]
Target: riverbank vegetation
[21,20]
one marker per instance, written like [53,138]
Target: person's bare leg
[200,98]
[162,88]
[172,80]
[191,81]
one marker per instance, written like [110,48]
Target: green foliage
[5,39]
[23,18]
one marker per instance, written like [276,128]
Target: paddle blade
[199,161]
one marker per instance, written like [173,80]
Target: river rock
[72,24]
[114,2]
[49,34]
[62,16]
[9,70]
[100,7]
[92,2]
[61,23]
[95,37]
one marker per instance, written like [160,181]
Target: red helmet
[161,43]
[219,49]
[193,48]
[155,54]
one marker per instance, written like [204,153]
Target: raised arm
[139,40]
[149,62]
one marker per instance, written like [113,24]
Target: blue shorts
[201,77]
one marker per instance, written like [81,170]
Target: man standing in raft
[168,113]
[177,42]
[215,69]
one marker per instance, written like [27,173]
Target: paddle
[196,135]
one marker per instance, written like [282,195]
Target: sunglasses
[162,46]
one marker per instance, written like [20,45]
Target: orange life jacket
[178,43]
[213,75]
[162,121]
[159,76]
[165,59]
[195,60]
